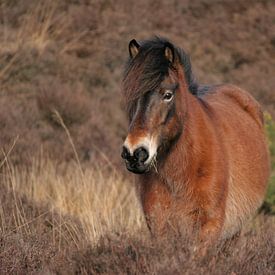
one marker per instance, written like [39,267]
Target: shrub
[270,129]
[71,102]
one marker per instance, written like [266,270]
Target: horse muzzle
[136,162]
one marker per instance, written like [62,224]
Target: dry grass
[41,25]
[56,220]
[59,218]
[103,204]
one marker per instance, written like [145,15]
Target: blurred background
[61,118]
[69,56]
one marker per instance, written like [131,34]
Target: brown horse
[200,150]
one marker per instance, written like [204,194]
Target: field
[67,205]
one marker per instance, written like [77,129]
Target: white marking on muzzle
[147,142]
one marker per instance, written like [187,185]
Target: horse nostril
[125,153]
[141,154]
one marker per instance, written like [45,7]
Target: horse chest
[155,197]
[165,200]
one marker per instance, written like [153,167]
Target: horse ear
[133,48]
[169,53]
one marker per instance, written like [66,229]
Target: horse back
[233,98]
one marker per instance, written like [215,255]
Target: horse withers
[200,151]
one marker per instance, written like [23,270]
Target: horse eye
[167,96]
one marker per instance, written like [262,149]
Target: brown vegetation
[65,205]
[59,49]
[60,219]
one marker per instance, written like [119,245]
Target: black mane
[147,70]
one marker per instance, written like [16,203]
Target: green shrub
[270,130]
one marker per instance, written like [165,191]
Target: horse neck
[182,160]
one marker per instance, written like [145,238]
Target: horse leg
[157,221]
[211,230]
[211,201]
[156,202]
